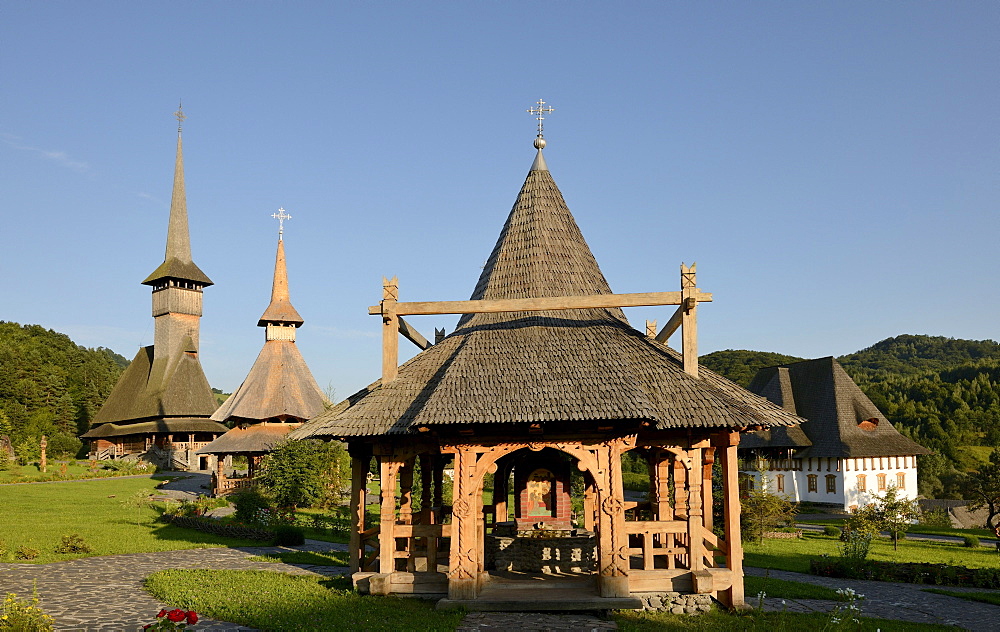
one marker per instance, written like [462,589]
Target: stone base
[677,603]
[551,556]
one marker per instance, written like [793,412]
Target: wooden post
[689,321]
[696,538]
[680,490]
[360,458]
[438,481]
[612,541]
[220,475]
[44,464]
[426,477]
[706,488]
[388,469]
[662,462]
[500,492]
[463,567]
[390,329]
[651,329]
[733,596]
[406,492]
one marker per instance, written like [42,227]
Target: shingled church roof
[551,366]
[841,421]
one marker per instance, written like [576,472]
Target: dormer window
[868,424]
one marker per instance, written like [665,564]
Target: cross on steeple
[538,112]
[281,216]
[180,115]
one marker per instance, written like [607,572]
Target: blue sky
[833,167]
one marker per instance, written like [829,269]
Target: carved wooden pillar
[438,468]
[612,546]
[426,477]
[360,458]
[689,320]
[662,462]
[220,476]
[589,506]
[733,596]
[389,469]
[406,492]
[680,490]
[706,488]
[696,540]
[464,562]
[390,329]
[501,489]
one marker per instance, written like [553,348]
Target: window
[781,482]
[900,480]
[862,484]
[881,482]
[831,483]
[813,484]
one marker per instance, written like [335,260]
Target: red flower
[192,617]
[176,615]
[163,613]
[147,626]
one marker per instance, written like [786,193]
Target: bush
[832,531]
[73,544]
[249,503]
[24,616]
[303,473]
[636,481]
[909,572]
[26,553]
[970,542]
[287,535]
[936,518]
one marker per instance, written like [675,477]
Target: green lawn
[985,597]
[794,554]
[37,516]
[838,521]
[783,589]
[74,470]
[719,621]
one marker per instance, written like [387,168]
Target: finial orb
[539,143]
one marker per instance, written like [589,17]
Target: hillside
[51,386]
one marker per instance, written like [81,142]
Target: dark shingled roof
[159,426]
[279,385]
[255,439]
[154,388]
[560,365]
[838,414]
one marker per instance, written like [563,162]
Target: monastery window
[813,483]
[900,480]
[868,424]
[881,482]
[862,483]
[831,483]
[781,482]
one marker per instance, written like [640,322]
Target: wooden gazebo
[543,362]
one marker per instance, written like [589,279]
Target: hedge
[909,572]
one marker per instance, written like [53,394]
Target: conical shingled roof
[280,309]
[552,366]
[838,414]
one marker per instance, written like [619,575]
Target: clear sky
[833,167]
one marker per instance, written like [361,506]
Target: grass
[794,554]
[718,621]
[985,597]
[277,601]
[784,589]
[37,516]
[75,470]
[331,558]
[914,529]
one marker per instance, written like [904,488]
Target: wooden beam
[390,329]
[640,299]
[412,334]
[689,321]
[671,326]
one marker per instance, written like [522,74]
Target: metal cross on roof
[281,216]
[180,115]
[538,112]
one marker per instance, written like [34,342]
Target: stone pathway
[106,594]
[533,622]
[889,600]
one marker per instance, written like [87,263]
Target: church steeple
[177,282]
[280,317]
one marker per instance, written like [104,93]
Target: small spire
[281,216]
[180,115]
[538,111]
[178,236]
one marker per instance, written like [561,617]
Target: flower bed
[911,572]
[216,527]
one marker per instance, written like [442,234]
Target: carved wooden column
[360,458]
[706,488]
[680,490]
[406,492]
[463,572]
[220,476]
[661,463]
[696,541]
[689,320]
[612,546]
[389,469]
[733,596]
[426,477]
[390,329]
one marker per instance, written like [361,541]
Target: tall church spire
[177,263]
[280,317]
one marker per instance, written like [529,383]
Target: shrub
[26,553]
[636,481]
[73,544]
[970,542]
[249,503]
[936,518]
[24,615]
[286,535]
[832,531]
[302,473]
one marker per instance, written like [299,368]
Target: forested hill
[942,392]
[51,386]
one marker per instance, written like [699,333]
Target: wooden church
[161,406]
[278,394]
[538,393]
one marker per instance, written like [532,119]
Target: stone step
[577,604]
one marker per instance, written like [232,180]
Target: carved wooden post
[651,329]
[662,464]
[389,468]
[612,545]
[706,488]
[44,464]
[696,539]
[426,476]
[733,596]
[390,329]
[219,484]
[689,321]
[463,572]
[680,490]
[360,458]
[406,492]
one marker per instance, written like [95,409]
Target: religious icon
[540,501]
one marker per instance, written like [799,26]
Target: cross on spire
[180,115]
[538,112]
[281,216]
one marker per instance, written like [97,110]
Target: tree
[763,511]
[895,513]
[982,489]
[304,472]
